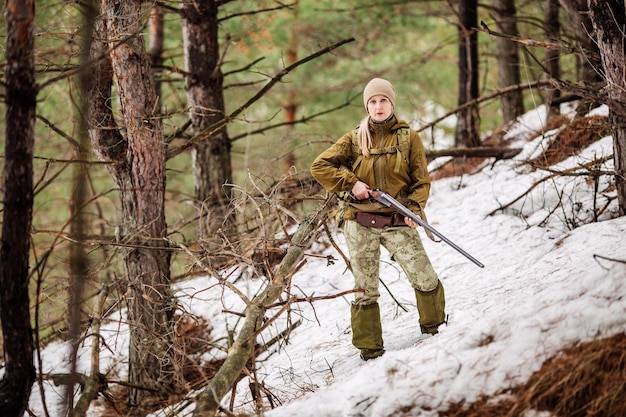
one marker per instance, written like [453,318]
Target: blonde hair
[364,136]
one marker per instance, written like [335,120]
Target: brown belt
[380,221]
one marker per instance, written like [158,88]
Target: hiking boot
[367,354]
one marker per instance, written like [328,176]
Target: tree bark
[212,167]
[468,123]
[508,59]
[139,171]
[609,19]
[20,96]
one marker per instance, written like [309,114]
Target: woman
[376,156]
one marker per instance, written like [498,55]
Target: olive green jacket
[340,166]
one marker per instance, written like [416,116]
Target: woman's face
[379,108]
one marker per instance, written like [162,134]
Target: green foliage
[401,42]
[411,43]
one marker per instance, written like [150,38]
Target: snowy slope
[544,287]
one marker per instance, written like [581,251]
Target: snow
[546,286]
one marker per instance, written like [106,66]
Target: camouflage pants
[405,247]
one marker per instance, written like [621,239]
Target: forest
[146,143]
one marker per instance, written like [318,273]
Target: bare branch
[304,119]
[527,41]
[312,299]
[253,12]
[206,133]
[499,92]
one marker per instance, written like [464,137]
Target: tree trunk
[508,59]
[140,175]
[212,167]
[20,96]
[588,60]
[467,128]
[551,57]
[609,20]
[79,259]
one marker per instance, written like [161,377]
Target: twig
[313,299]
[391,294]
[567,172]
[337,248]
[597,257]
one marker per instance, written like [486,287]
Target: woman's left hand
[410,222]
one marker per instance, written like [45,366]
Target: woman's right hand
[361,191]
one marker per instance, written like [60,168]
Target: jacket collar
[383,126]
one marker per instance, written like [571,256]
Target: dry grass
[584,381]
[574,137]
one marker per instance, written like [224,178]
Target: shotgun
[389,201]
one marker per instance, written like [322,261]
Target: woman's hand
[360,190]
[409,221]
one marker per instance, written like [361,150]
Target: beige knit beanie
[379,86]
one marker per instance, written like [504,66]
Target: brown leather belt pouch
[380,221]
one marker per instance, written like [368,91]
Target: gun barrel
[389,201]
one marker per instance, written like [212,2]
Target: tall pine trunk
[211,160]
[156,35]
[20,97]
[137,150]
[508,59]
[467,129]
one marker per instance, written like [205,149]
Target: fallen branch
[478,152]
[554,174]
[208,401]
